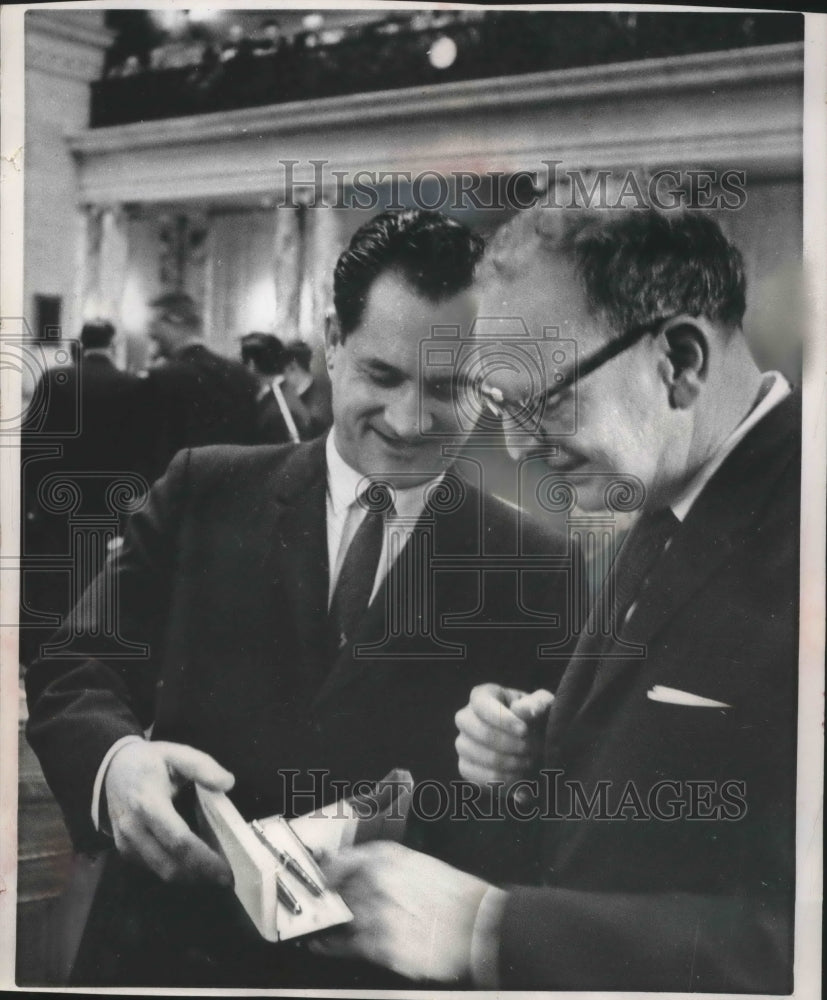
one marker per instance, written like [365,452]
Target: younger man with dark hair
[282,631]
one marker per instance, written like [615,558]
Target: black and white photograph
[413,498]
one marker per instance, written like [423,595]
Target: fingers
[140,784]
[136,843]
[482,775]
[193,859]
[530,707]
[490,757]
[153,832]
[490,704]
[195,765]
[498,733]
[479,732]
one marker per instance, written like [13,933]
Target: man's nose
[404,415]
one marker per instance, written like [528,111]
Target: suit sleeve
[571,939]
[95,681]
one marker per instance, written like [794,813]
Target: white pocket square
[672,696]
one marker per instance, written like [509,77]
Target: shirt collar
[344,482]
[269,386]
[773,389]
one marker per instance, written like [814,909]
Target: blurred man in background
[196,396]
[277,404]
[97,418]
[312,391]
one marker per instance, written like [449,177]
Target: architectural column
[324,246]
[106,260]
[289,254]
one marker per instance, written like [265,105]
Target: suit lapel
[724,512]
[298,553]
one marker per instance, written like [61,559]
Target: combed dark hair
[178,309]
[97,333]
[266,352]
[435,254]
[637,264]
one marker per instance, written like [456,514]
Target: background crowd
[122,423]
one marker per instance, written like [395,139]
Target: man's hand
[141,782]
[500,734]
[412,914]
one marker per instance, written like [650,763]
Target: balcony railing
[396,53]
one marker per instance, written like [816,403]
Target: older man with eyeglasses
[664,792]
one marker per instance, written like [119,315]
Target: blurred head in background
[97,335]
[264,355]
[175,323]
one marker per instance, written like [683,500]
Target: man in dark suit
[264,355]
[666,799]
[283,609]
[197,396]
[96,417]
[312,391]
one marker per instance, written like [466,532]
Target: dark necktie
[358,572]
[641,549]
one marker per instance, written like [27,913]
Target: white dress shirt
[345,514]
[774,388]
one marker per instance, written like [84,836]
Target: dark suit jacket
[110,406]
[200,398]
[224,578]
[94,426]
[701,904]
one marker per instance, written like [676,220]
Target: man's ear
[685,341]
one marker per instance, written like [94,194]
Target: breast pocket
[691,741]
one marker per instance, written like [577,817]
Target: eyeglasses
[526,413]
